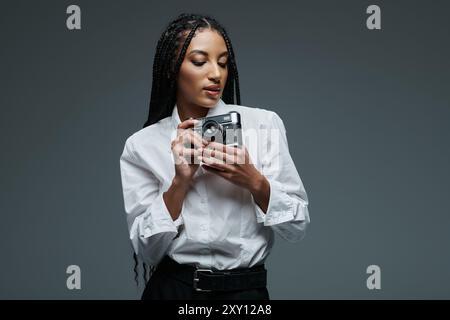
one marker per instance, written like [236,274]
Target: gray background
[366,113]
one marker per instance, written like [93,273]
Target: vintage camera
[224,128]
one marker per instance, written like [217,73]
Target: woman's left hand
[233,164]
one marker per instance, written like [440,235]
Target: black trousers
[164,286]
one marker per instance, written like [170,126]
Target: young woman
[202,214]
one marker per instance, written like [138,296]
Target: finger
[232,150]
[215,163]
[190,138]
[234,154]
[192,156]
[196,134]
[224,157]
[188,152]
[188,155]
[186,138]
[179,150]
[190,132]
[189,123]
[223,174]
[217,146]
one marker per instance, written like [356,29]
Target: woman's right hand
[186,148]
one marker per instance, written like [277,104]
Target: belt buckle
[196,279]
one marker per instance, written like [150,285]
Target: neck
[188,110]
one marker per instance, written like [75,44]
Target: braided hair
[170,52]
[169,55]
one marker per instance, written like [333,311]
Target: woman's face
[204,65]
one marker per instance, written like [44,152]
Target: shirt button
[203,200]
[203,227]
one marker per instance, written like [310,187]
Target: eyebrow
[206,53]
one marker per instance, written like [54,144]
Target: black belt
[207,280]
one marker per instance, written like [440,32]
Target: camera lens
[212,130]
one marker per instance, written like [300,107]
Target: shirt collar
[219,108]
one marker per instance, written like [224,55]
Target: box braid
[169,55]
[170,45]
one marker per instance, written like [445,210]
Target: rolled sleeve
[280,208]
[287,212]
[150,224]
[158,219]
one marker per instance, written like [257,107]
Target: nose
[214,73]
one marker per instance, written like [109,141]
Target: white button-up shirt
[220,225]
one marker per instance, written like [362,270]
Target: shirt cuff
[159,219]
[281,206]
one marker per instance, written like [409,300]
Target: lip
[213,87]
[213,94]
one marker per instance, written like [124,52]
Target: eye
[198,63]
[223,65]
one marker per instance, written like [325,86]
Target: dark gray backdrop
[366,113]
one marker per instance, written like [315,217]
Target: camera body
[225,128]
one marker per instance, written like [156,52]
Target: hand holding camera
[225,155]
[186,149]
[216,142]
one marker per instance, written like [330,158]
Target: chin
[208,103]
